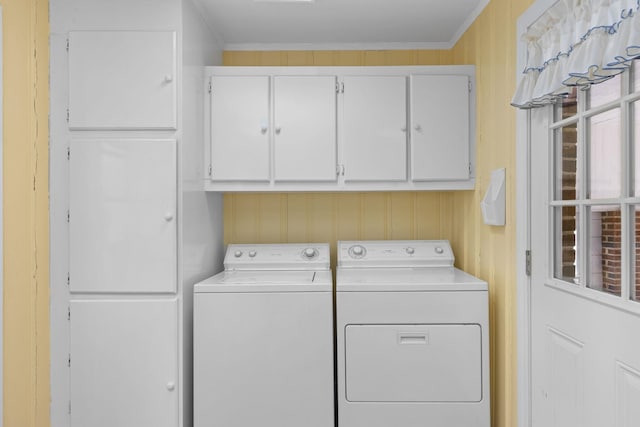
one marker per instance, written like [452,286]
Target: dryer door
[413,363]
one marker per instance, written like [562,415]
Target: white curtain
[577,43]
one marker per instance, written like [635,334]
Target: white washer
[412,337]
[263,339]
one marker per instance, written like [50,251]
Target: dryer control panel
[286,256]
[395,253]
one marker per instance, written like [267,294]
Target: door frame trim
[523,223]
[1,231]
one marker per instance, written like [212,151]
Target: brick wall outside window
[611,253]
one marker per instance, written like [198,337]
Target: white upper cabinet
[439,127]
[122,80]
[374,128]
[341,128]
[122,216]
[305,128]
[240,128]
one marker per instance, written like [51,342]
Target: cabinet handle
[418,128]
[278,130]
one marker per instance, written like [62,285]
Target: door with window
[585,243]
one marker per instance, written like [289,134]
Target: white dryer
[412,337]
[263,339]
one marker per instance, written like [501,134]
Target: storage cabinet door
[124,363]
[305,128]
[240,128]
[122,225]
[122,80]
[439,127]
[374,128]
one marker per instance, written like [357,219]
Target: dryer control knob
[309,253]
[252,254]
[410,250]
[238,254]
[357,251]
[439,250]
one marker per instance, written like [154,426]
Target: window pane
[608,91]
[635,179]
[566,153]
[605,249]
[604,152]
[568,107]
[635,287]
[566,219]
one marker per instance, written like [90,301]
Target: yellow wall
[488,252]
[26,217]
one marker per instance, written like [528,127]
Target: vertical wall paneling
[1,222]
[25,203]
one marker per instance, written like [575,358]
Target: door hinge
[210,87]
[69,407]
[68,153]
[69,361]
[210,171]
[67,45]
[469,82]
[68,215]
[68,313]
[67,115]
[68,279]
[527,261]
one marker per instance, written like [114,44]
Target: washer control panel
[395,253]
[286,256]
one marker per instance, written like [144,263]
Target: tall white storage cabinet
[132,229]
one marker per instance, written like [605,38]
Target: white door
[240,128]
[585,287]
[374,128]
[122,225]
[122,80]
[305,128]
[439,127]
[123,362]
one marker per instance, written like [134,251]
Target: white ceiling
[340,24]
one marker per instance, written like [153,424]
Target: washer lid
[407,279]
[267,281]
[286,256]
[395,253]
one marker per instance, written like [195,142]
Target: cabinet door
[124,363]
[240,128]
[122,80]
[305,128]
[439,127]
[122,225]
[374,128]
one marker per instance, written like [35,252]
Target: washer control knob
[309,253]
[237,254]
[439,250]
[410,250]
[252,254]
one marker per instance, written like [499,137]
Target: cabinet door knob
[168,78]
[403,128]
[168,217]
[263,129]
[278,130]
[171,386]
[418,128]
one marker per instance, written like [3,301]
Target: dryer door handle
[413,338]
